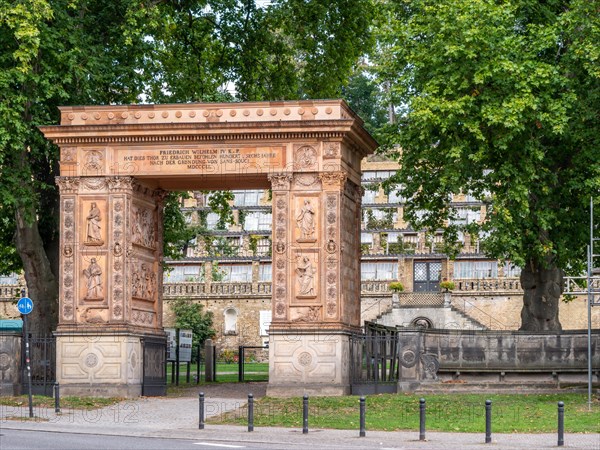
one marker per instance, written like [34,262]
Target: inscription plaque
[208,160]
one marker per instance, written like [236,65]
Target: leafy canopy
[499,100]
[191,316]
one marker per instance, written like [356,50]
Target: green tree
[68,52]
[500,100]
[52,52]
[191,316]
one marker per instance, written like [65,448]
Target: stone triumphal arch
[117,163]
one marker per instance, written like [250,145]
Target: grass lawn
[41,401]
[525,413]
[226,373]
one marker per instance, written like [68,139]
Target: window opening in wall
[511,271]
[235,273]
[247,198]
[369,197]
[475,269]
[257,221]
[265,272]
[378,271]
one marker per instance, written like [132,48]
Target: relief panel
[94,223]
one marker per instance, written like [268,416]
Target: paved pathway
[178,418]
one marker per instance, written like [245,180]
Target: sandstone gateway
[117,163]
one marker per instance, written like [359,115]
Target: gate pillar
[110,279]
[316,273]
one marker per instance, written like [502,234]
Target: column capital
[280,181]
[67,184]
[332,180]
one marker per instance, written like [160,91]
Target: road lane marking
[218,445]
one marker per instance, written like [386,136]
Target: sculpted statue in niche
[94,281]
[305,271]
[305,220]
[93,230]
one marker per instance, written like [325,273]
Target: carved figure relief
[92,315]
[143,227]
[68,154]
[143,282]
[93,274]
[93,229]
[331,150]
[305,221]
[305,274]
[280,181]
[311,315]
[306,158]
[93,161]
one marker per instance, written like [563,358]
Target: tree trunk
[41,281]
[543,288]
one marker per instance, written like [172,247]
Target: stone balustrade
[10,292]
[488,285]
[376,287]
[216,289]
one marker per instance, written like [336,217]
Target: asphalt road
[26,440]
[33,440]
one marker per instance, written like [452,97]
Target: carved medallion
[93,161]
[305,359]
[91,360]
[305,158]
[331,150]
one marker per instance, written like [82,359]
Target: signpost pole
[25,306]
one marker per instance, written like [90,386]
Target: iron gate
[154,376]
[374,364]
[42,353]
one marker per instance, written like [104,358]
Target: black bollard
[488,421]
[422,419]
[305,415]
[561,424]
[201,411]
[56,397]
[250,412]
[362,432]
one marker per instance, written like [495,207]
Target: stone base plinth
[308,362]
[99,365]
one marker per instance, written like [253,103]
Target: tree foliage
[69,52]
[190,315]
[499,100]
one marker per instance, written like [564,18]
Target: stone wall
[373,307]
[503,312]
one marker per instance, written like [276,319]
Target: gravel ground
[221,390]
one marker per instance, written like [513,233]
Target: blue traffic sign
[25,305]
